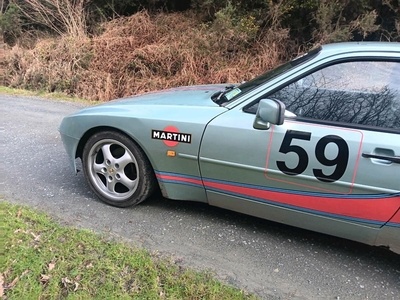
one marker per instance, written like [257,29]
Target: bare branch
[61,16]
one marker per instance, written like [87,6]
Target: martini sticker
[171,136]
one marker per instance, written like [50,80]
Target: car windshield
[231,94]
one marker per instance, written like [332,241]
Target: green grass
[42,94]
[44,260]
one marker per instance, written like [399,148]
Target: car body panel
[350,209]
[294,217]
[211,153]
[137,118]
[388,235]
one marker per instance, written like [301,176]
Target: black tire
[117,170]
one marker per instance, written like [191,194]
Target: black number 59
[340,161]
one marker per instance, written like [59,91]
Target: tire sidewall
[145,178]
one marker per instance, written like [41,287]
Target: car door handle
[393,159]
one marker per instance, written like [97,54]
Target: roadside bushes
[52,65]
[166,50]
[142,53]
[215,41]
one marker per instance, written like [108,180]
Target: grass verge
[42,94]
[43,260]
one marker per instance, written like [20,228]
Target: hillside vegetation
[99,50]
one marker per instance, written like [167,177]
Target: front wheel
[117,170]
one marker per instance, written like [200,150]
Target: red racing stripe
[179,179]
[380,209]
[396,218]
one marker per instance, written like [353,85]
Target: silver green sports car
[313,143]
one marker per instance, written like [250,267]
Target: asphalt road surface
[266,258]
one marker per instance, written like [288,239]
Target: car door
[331,167]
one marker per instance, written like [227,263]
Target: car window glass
[249,85]
[363,92]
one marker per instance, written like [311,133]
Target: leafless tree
[61,16]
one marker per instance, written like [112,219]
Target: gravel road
[269,259]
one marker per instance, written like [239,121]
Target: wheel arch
[83,140]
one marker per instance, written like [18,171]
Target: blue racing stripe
[315,212]
[280,190]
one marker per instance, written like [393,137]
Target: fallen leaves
[1,285]
[65,281]
[13,283]
[35,236]
[51,266]
[68,283]
[44,279]
[7,286]
[89,266]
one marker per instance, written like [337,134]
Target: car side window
[360,92]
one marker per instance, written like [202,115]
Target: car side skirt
[363,225]
[181,187]
[323,224]
[389,235]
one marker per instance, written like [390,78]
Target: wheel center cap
[111,171]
